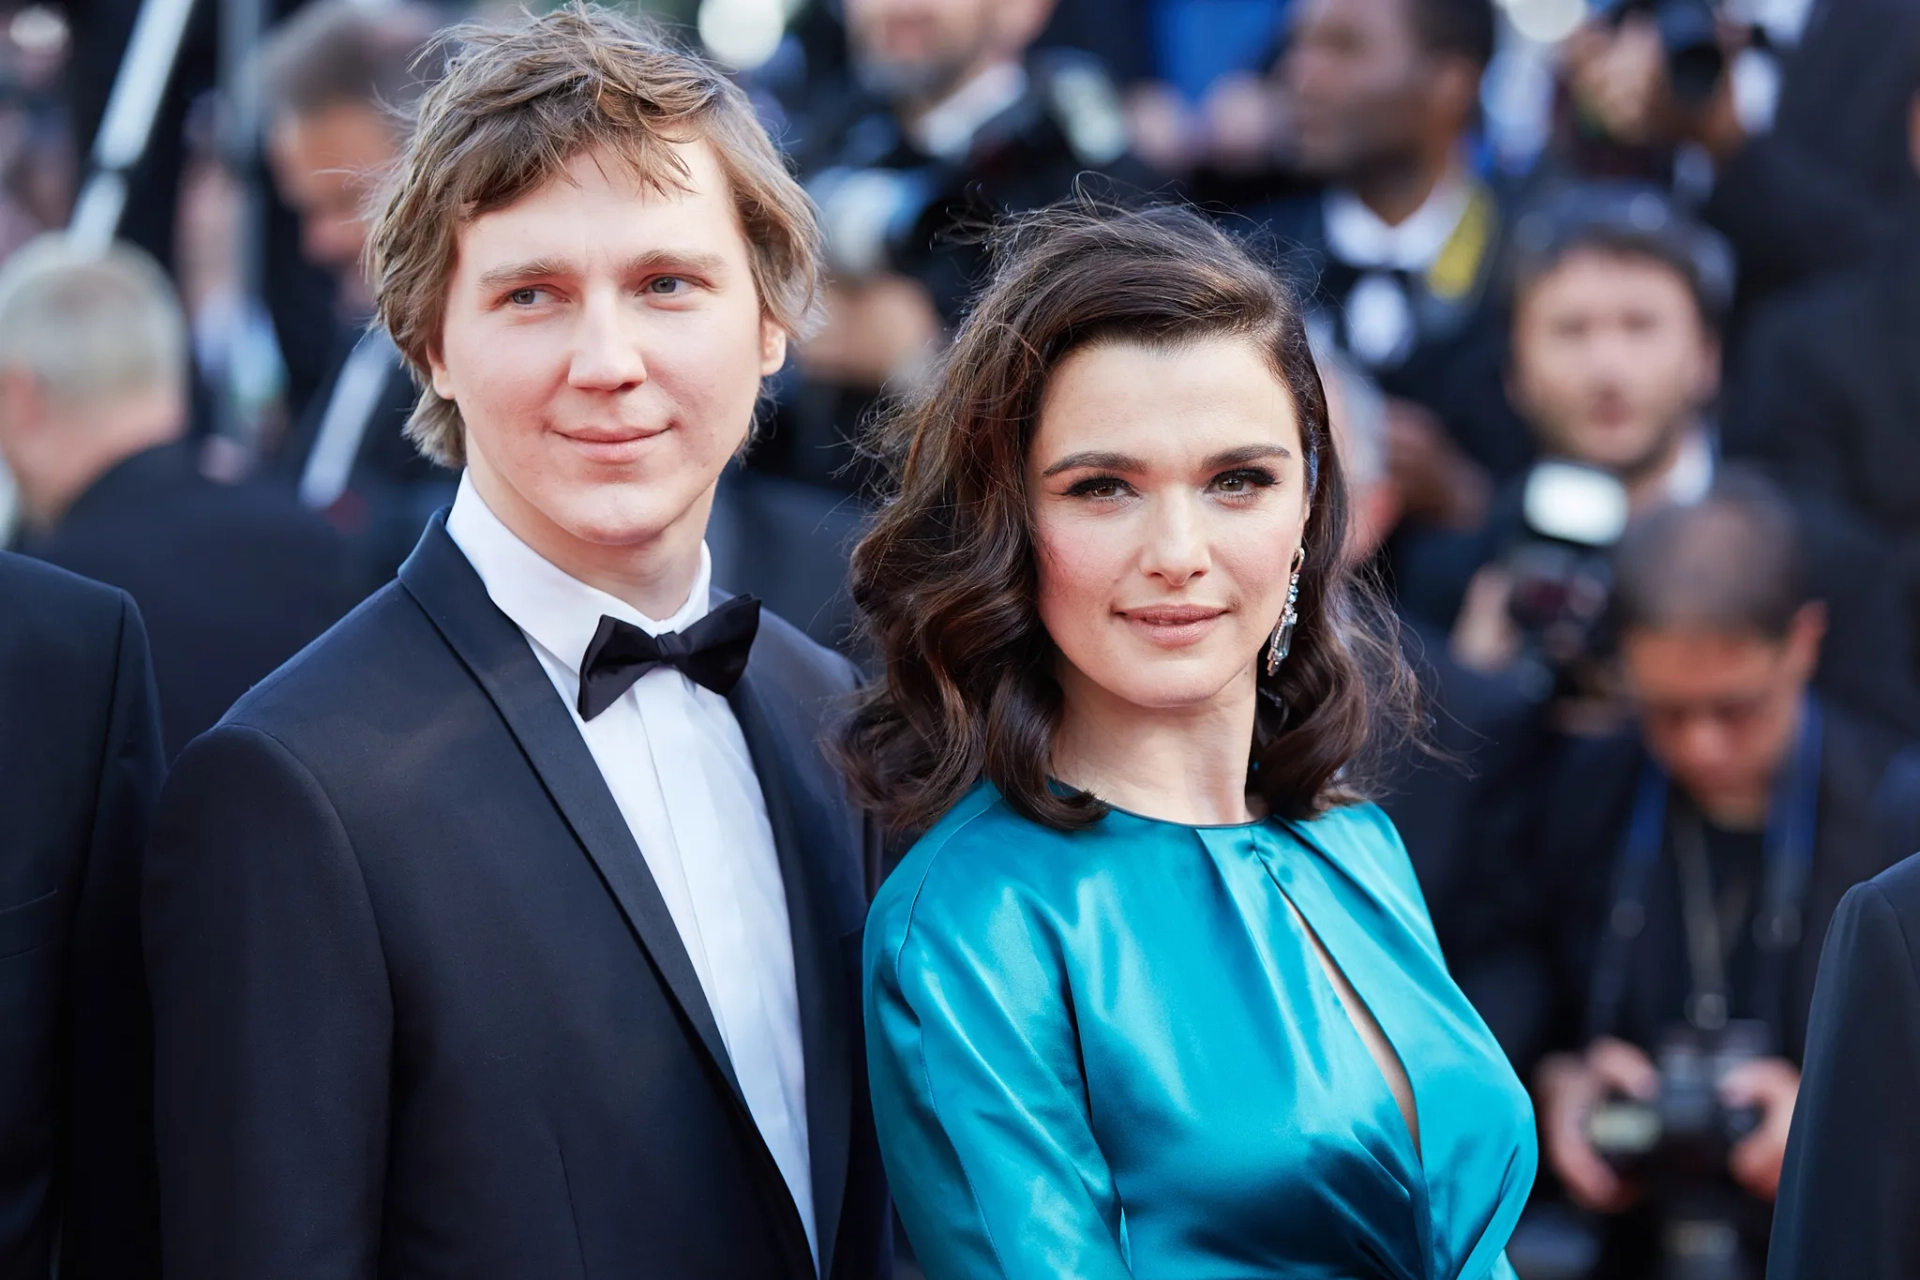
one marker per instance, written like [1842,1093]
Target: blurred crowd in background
[1618,309]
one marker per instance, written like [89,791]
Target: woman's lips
[1173,626]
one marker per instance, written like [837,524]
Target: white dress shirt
[677,764]
[1380,329]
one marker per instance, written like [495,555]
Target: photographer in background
[1799,105]
[1397,251]
[336,78]
[1615,365]
[1681,882]
[951,120]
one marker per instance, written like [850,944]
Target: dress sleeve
[979,1099]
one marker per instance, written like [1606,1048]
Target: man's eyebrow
[519,272]
[698,262]
[1095,459]
[693,261]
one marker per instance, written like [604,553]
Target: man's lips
[611,444]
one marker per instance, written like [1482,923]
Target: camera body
[1679,1144]
[1689,33]
[1686,1131]
[1560,571]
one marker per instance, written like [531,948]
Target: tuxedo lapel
[803,834]
[486,640]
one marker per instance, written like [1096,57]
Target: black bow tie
[712,652]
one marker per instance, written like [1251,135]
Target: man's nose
[606,352]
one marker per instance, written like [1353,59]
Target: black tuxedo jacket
[232,579]
[1852,1176]
[420,1010]
[80,765]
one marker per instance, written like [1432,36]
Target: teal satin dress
[1114,1053]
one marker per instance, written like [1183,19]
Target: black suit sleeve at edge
[273,1022]
[1852,1175]
[109,1225]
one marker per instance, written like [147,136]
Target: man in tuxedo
[80,755]
[513,929]
[338,76]
[1853,1159]
[1397,252]
[232,579]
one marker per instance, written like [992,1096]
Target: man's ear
[23,403]
[1455,93]
[773,346]
[437,376]
[1804,636]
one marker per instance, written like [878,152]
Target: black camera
[870,218]
[1689,33]
[1678,1146]
[1561,573]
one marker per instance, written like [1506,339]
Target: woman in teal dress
[1154,993]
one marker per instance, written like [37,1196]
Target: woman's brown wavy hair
[945,579]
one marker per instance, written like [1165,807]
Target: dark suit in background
[1830,399]
[1823,187]
[1462,804]
[80,765]
[232,580]
[420,1008]
[1852,1175]
[390,489]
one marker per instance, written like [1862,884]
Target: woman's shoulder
[1363,841]
[982,859]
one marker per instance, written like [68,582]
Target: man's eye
[668,286]
[524,297]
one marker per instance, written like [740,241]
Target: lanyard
[1789,840]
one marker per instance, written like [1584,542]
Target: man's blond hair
[90,327]
[516,106]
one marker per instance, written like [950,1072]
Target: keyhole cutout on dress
[1385,1056]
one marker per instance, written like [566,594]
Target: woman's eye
[1098,487]
[1242,482]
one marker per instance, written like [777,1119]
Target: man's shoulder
[384,647]
[46,611]
[1899,885]
[797,663]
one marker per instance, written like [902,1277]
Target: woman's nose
[1176,546]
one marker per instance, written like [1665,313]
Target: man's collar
[1360,237]
[558,611]
[946,132]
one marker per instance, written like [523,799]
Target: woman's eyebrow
[1094,458]
[1247,453]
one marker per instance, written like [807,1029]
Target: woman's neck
[1184,765]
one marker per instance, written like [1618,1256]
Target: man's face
[605,343]
[1719,711]
[326,165]
[926,48]
[1360,85]
[1611,359]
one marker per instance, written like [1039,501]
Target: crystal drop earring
[1281,642]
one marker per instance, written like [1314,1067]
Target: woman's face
[1169,495]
